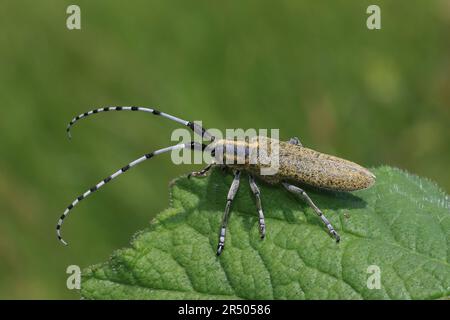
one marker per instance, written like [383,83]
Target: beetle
[297,165]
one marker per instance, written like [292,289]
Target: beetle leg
[296,190]
[256,192]
[295,141]
[201,173]
[231,193]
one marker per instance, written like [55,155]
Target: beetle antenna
[192,125]
[192,145]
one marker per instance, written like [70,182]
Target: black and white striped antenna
[191,145]
[192,125]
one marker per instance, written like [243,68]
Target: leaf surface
[401,225]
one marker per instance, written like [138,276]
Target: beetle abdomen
[322,170]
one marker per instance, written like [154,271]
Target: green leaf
[401,225]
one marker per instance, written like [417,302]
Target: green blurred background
[312,69]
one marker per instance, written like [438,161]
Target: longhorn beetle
[297,164]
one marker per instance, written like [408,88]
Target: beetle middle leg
[298,191]
[231,194]
[256,192]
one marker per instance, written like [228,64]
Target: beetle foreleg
[231,193]
[296,190]
[201,173]
[256,192]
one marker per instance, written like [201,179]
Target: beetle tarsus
[201,173]
[336,236]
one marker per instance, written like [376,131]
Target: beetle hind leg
[298,191]
[256,192]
